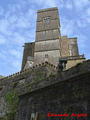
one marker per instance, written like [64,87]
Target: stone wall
[48,88]
[1,76]
[49,45]
[51,13]
[73,47]
[47,41]
[73,62]
[69,47]
[28,52]
[66,96]
[49,56]
[47,35]
[65,46]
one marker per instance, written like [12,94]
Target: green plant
[39,76]
[10,116]
[15,84]
[12,102]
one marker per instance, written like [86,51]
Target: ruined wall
[73,47]
[65,50]
[1,76]
[69,50]
[73,62]
[28,51]
[69,47]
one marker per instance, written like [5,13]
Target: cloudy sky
[18,25]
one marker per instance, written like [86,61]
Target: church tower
[47,43]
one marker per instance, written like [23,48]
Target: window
[46,20]
[46,55]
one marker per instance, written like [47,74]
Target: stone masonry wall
[47,88]
[66,96]
[28,51]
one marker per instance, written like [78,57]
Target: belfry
[49,45]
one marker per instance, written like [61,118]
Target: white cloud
[15,53]
[3,55]
[80,4]
[4,26]
[44,4]
[22,23]
[16,64]
[88,20]
[67,27]
[88,11]
[82,41]
[1,11]
[12,19]
[50,3]
[2,39]
[84,19]
[18,38]
[82,23]
[69,6]
[17,24]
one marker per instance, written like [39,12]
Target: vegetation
[12,102]
[15,84]
[39,76]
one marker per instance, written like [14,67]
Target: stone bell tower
[47,43]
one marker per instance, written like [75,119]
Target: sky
[18,26]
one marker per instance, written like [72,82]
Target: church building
[49,45]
